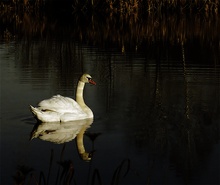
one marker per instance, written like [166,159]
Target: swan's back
[59,108]
[60,104]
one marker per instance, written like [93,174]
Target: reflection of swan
[62,132]
[59,108]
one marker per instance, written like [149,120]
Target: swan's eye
[89,78]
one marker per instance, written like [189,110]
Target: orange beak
[92,82]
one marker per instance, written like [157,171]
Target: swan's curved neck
[79,94]
[80,100]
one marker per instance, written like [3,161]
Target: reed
[21,5]
[120,6]
[134,6]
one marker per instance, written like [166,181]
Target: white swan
[63,109]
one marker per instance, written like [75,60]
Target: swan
[62,109]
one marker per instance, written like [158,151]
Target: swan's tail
[45,116]
[35,111]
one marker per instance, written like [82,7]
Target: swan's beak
[92,82]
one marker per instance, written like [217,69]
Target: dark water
[156,107]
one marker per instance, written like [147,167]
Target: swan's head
[86,78]
[87,156]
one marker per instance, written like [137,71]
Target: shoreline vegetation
[113,22]
[117,6]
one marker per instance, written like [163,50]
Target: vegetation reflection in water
[65,173]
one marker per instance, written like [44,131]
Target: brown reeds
[21,5]
[150,6]
[122,23]
[121,6]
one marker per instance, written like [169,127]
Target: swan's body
[63,109]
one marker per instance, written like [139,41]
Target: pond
[156,101]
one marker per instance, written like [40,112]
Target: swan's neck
[80,100]
[79,94]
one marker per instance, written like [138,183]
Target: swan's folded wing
[61,104]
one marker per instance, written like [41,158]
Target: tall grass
[120,6]
[133,6]
[121,22]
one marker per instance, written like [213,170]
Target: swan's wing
[60,104]
[45,115]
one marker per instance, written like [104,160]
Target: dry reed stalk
[122,6]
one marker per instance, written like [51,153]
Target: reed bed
[115,29]
[119,6]
[150,6]
[124,24]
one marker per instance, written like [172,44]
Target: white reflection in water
[59,132]
[63,132]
